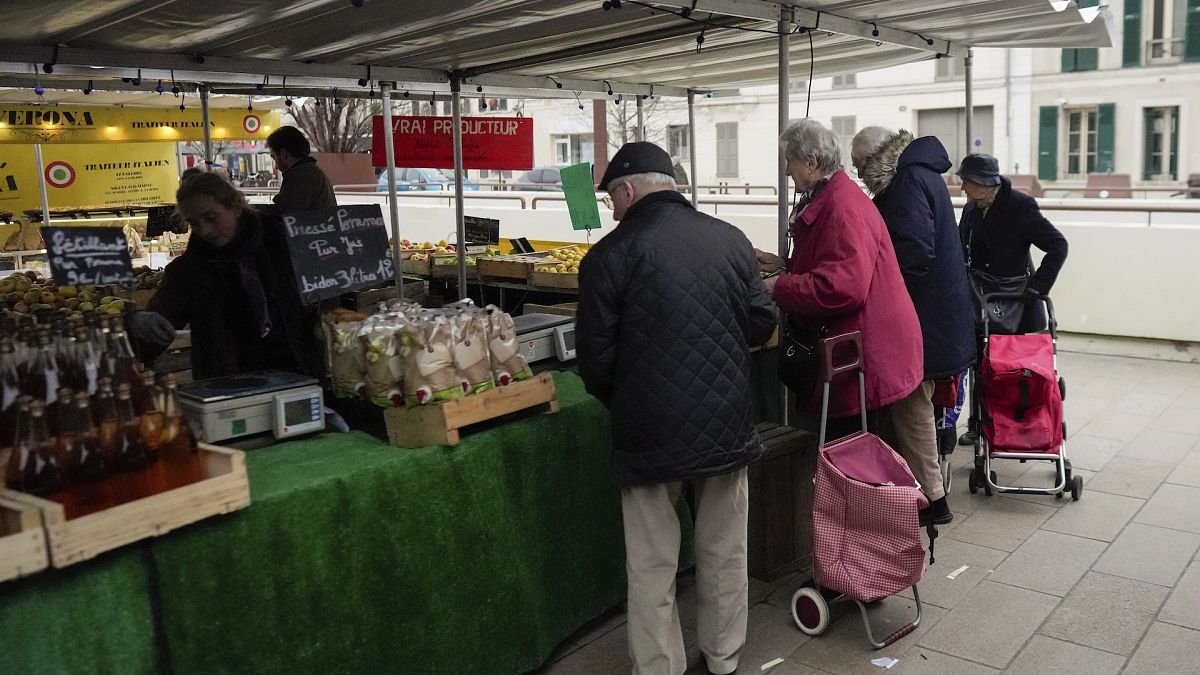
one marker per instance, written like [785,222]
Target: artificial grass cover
[356,557]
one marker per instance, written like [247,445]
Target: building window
[949,68]
[845,129]
[493,104]
[573,148]
[1082,128]
[849,81]
[727,149]
[679,142]
[1162,140]
[798,86]
[1165,22]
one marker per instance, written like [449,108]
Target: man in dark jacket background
[997,229]
[905,176]
[670,304]
[304,186]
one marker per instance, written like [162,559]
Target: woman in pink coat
[843,276]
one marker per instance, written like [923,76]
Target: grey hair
[867,142]
[645,183]
[808,138]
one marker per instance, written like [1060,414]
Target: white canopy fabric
[517,45]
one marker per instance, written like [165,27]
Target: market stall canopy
[518,45]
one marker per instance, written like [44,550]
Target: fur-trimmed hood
[900,151]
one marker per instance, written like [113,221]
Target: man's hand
[769,262]
[770,282]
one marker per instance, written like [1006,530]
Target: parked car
[408,180]
[540,178]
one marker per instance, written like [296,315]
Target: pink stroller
[867,542]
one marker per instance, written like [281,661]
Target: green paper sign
[580,192]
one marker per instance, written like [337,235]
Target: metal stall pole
[969,80]
[41,164]
[641,134]
[461,228]
[694,179]
[385,90]
[208,156]
[784,213]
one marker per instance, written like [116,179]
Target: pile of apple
[569,259]
[27,293]
[442,246]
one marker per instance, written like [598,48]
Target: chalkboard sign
[160,219]
[337,250]
[88,256]
[482,230]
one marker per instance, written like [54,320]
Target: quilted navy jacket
[669,305]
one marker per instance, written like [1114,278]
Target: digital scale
[221,408]
[544,336]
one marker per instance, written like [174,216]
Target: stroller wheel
[1076,488]
[973,481]
[810,611]
[1062,388]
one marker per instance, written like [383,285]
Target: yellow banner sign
[68,124]
[79,176]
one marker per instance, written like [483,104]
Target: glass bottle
[108,426]
[179,450]
[38,471]
[134,456]
[127,369]
[17,457]
[86,360]
[59,412]
[10,388]
[41,375]
[90,490]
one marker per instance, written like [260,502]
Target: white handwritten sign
[337,251]
[83,256]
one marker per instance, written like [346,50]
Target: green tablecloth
[355,558]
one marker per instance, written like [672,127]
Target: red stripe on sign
[428,142]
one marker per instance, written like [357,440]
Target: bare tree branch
[337,125]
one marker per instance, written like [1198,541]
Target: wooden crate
[225,489]
[445,266]
[22,540]
[418,267]
[562,309]
[367,299]
[439,424]
[511,266]
[554,280]
[781,490]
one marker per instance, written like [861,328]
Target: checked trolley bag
[867,542]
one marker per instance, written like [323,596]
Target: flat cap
[639,157]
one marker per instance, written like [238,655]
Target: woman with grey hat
[997,227]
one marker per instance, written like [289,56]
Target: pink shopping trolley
[867,542]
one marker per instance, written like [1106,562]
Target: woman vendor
[233,286]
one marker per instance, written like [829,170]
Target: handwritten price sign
[337,251]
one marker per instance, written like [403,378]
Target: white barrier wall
[1123,277]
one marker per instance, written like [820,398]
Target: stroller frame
[810,605]
[982,475]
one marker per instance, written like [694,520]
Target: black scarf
[241,254]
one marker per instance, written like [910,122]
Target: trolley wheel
[1076,488]
[973,481]
[1062,388]
[987,487]
[810,611]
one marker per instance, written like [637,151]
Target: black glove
[150,328]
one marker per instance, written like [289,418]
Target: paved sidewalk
[1109,584]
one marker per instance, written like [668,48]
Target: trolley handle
[829,345]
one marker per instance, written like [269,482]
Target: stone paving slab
[1047,656]
[1151,554]
[1166,649]
[1106,612]
[992,625]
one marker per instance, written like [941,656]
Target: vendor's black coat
[670,304]
[202,288]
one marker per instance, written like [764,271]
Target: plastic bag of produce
[346,356]
[471,357]
[382,357]
[429,374]
[508,364]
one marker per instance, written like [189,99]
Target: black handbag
[1004,315]
[799,359]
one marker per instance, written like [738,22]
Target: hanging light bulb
[160,88]
[87,91]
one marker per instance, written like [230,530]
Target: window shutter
[1191,45]
[1147,142]
[1174,147]
[1048,142]
[1105,137]
[1068,60]
[1131,51]
[1087,59]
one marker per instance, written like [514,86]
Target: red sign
[428,142]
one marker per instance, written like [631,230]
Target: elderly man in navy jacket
[670,303]
[904,174]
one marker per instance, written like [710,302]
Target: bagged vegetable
[429,375]
[508,364]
